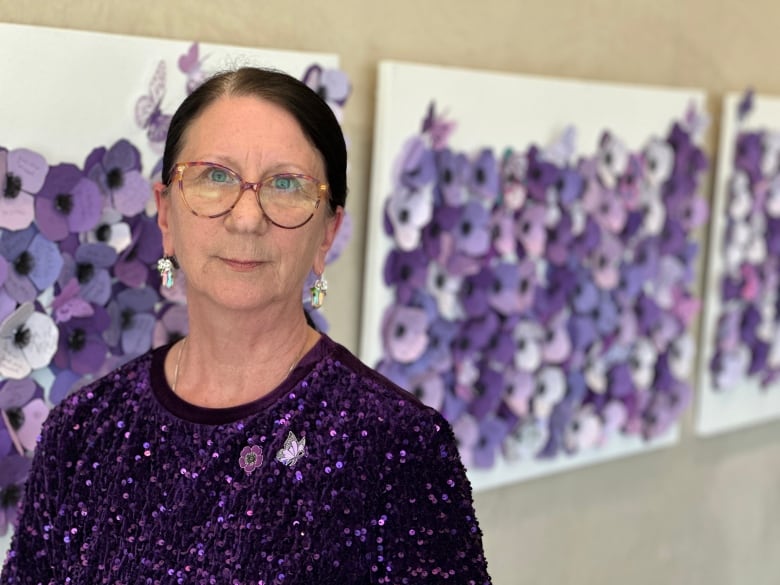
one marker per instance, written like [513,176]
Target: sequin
[366,486]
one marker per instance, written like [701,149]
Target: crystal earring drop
[318,292]
[166,266]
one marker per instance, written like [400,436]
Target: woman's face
[242,261]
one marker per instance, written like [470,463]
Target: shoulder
[380,403]
[91,403]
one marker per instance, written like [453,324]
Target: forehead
[249,130]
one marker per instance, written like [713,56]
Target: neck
[236,359]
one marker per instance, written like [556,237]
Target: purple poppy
[474,336]
[35,263]
[172,324]
[406,272]
[438,354]
[605,261]
[530,229]
[408,211]
[528,337]
[612,159]
[513,287]
[429,388]
[23,173]
[492,432]
[584,431]
[550,388]
[132,268]
[552,298]
[445,288]
[404,333]
[81,347]
[519,386]
[605,207]
[472,231]
[642,363]
[68,202]
[110,230]
[658,159]
[665,408]
[570,186]
[451,171]
[483,178]
[21,402]
[437,238]
[69,304]
[556,340]
[513,171]
[526,439]
[541,175]
[251,458]
[117,171]
[14,469]
[132,321]
[474,293]
[28,340]
[90,267]
[560,238]
[747,156]
[486,392]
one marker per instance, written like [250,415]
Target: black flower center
[103,232]
[15,418]
[403,216]
[400,330]
[115,178]
[480,176]
[465,228]
[24,263]
[9,496]
[64,203]
[418,392]
[84,272]
[126,319]
[174,336]
[13,185]
[22,337]
[447,176]
[405,272]
[77,339]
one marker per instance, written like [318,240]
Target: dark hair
[313,114]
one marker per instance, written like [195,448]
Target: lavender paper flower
[117,171]
[22,173]
[68,203]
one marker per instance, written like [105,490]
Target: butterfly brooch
[292,451]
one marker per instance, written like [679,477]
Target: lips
[241,265]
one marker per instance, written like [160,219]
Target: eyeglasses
[211,190]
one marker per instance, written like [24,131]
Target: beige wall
[706,511]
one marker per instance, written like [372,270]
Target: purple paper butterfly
[292,451]
[148,114]
[190,64]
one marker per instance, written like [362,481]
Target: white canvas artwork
[739,367]
[64,94]
[530,261]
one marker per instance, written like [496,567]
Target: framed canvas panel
[83,119]
[530,261]
[739,367]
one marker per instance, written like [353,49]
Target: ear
[332,225]
[163,201]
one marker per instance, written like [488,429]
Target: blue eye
[218,175]
[285,183]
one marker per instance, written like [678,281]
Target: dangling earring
[165,266]
[318,292]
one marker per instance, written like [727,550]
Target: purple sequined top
[337,476]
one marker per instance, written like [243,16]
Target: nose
[246,214]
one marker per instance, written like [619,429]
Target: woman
[255,450]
